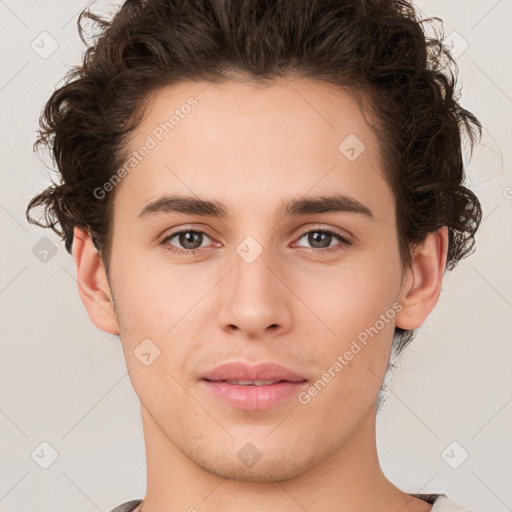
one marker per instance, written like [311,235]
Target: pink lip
[239,370]
[251,397]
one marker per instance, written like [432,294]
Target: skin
[251,148]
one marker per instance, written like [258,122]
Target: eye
[190,240]
[321,239]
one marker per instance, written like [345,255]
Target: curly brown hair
[376,49]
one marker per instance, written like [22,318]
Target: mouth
[242,385]
[253,395]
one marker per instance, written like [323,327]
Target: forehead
[251,141]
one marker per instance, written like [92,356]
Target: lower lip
[254,398]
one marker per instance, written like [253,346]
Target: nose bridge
[251,267]
[254,299]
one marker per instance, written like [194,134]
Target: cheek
[156,313]
[357,302]
[351,296]
[153,298]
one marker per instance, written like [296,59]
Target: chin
[277,467]
[265,473]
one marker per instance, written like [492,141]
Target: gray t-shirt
[441,503]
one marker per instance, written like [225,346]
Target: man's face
[246,287]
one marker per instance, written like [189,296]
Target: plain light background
[64,382]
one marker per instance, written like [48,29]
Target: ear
[422,284]
[93,285]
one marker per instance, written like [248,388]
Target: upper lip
[240,370]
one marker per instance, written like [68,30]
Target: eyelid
[171,232]
[304,230]
[339,232]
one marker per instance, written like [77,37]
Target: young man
[261,199]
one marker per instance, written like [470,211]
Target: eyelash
[194,252]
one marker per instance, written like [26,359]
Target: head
[256,108]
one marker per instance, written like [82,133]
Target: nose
[255,301]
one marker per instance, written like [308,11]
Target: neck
[350,479]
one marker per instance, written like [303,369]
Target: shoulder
[129,506]
[441,503]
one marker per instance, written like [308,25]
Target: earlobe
[422,284]
[93,285]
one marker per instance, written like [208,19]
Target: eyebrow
[192,205]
